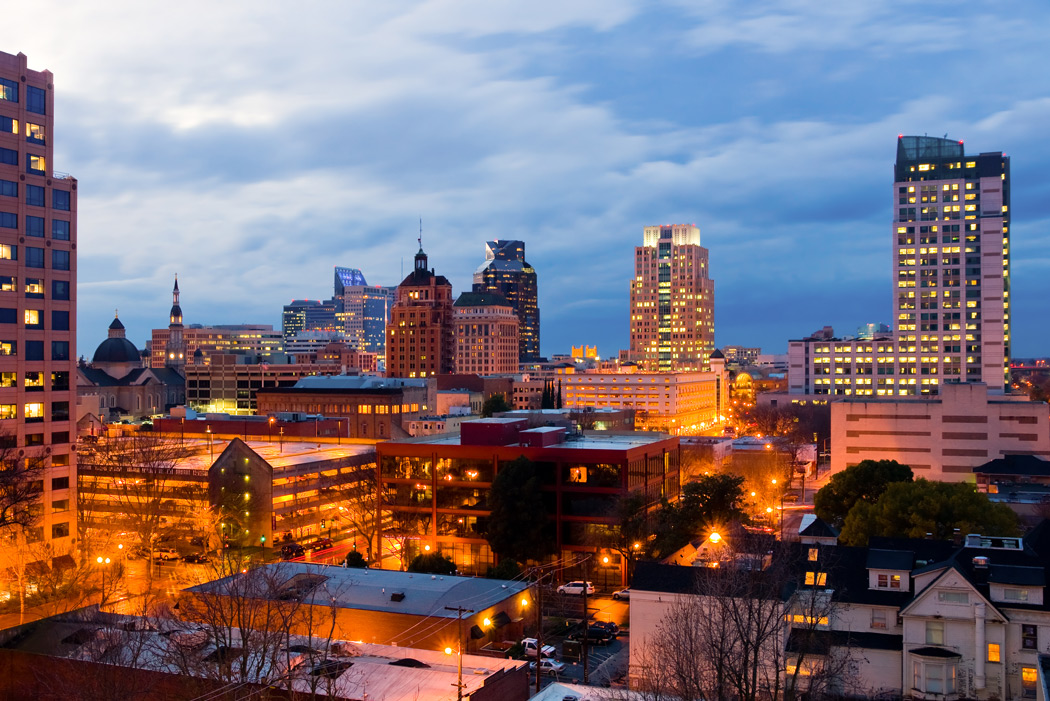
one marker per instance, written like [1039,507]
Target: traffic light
[322,523]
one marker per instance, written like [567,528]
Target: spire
[420,239]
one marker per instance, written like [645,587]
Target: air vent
[397,596]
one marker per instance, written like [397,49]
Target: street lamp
[269,434]
[605,573]
[102,561]
[211,446]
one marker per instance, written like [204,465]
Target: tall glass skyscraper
[505,272]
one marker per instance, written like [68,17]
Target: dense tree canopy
[494,405]
[518,525]
[432,563]
[710,501]
[913,509]
[863,482]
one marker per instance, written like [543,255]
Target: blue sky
[251,147]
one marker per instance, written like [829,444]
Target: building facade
[672,301]
[951,273]
[38,275]
[420,337]
[259,339]
[506,273]
[687,402]
[487,332]
[231,382]
[433,490]
[375,407]
[940,438]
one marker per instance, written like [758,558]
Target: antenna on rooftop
[420,239]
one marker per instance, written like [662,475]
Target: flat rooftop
[291,454]
[371,589]
[587,441]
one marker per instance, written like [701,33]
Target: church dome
[116,350]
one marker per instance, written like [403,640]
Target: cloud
[253,151]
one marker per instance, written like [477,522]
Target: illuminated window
[816,578]
[1028,682]
[889,581]
[993,652]
[35,164]
[34,411]
[32,319]
[34,133]
[812,556]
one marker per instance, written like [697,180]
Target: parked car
[593,634]
[321,544]
[137,552]
[196,558]
[290,551]
[165,554]
[530,648]
[548,666]
[623,594]
[614,630]
[576,588]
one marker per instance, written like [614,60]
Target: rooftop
[371,589]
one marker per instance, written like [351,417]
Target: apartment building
[951,274]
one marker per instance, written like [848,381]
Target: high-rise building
[38,268]
[419,338]
[672,301]
[486,334]
[951,291]
[362,311]
[309,315]
[506,273]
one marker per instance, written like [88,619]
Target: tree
[355,560]
[361,507]
[133,480]
[506,569]
[744,634]
[432,563]
[21,484]
[915,509]
[518,526]
[494,405]
[864,482]
[712,501]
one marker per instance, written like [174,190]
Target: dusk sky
[251,147]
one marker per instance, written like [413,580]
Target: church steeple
[175,349]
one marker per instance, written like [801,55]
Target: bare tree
[360,508]
[21,484]
[736,635]
[130,483]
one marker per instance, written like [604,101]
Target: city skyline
[250,154]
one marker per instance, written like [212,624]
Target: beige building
[678,403]
[260,339]
[672,301]
[941,438]
[486,329]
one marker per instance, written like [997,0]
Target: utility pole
[539,625]
[459,616]
[586,622]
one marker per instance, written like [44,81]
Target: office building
[420,338]
[433,490]
[258,339]
[943,437]
[506,273]
[672,301]
[308,315]
[38,273]
[374,407]
[951,294]
[487,334]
